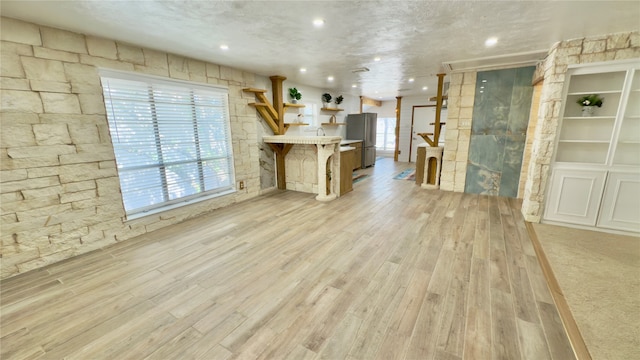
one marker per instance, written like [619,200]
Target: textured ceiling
[412,38]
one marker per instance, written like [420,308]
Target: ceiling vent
[496,62]
[359,70]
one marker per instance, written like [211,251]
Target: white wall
[405,123]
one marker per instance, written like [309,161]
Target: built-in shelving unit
[595,175]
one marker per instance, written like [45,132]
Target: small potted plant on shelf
[588,103]
[326,99]
[295,95]
[339,101]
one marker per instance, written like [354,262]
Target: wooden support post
[398,107]
[281,151]
[278,102]
[437,126]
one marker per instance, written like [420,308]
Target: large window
[172,140]
[386,134]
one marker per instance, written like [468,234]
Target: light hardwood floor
[388,271]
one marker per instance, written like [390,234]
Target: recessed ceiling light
[424,88]
[377,58]
[484,80]
[224,47]
[330,78]
[491,41]
[303,70]
[411,80]
[354,85]
[318,22]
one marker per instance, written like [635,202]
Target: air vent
[496,62]
[359,70]
[404,89]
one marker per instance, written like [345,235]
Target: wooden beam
[270,109]
[435,98]
[254,90]
[278,102]
[268,119]
[398,107]
[281,151]
[371,102]
[439,98]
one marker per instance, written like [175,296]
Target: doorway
[423,118]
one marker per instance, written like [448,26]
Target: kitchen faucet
[323,133]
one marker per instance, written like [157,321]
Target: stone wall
[462,90]
[60,194]
[611,47]
[531,129]
[301,169]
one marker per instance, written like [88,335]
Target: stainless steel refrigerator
[363,127]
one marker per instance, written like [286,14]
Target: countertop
[285,139]
[347,142]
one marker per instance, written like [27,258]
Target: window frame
[157,81]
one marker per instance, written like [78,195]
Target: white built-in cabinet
[595,173]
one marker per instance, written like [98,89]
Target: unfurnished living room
[320,180]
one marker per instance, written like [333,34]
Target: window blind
[172,140]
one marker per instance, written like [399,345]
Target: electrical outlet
[241,185]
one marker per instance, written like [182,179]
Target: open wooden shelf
[296,124]
[331,109]
[254,90]
[293,105]
[334,124]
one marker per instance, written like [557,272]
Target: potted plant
[295,95]
[339,101]
[326,99]
[588,103]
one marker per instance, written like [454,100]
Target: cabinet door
[621,202]
[574,196]
[357,164]
[346,171]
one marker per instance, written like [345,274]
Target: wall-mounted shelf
[331,109]
[334,124]
[293,105]
[296,124]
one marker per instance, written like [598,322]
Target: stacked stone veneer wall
[611,47]
[60,194]
[462,91]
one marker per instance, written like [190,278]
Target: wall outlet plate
[241,185]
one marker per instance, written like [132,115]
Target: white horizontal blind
[172,141]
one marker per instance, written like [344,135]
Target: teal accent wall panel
[498,131]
